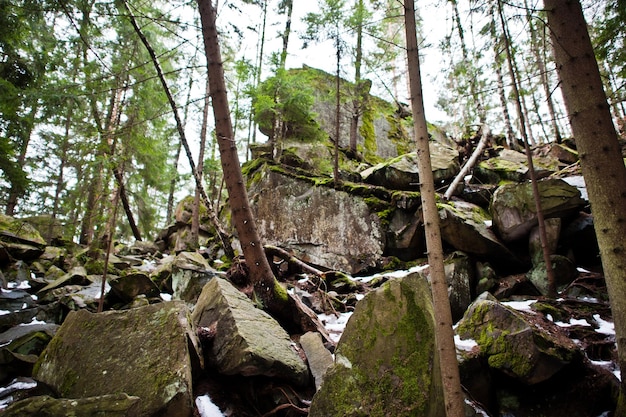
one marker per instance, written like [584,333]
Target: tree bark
[600,154]
[222,235]
[288,5]
[195,215]
[444,334]
[260,271]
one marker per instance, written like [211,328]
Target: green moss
[280,292]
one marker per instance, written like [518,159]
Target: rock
[563,153]
[19,240]
[187,284]
[129,286]
[529,349]
[113,405]
[564,273]
[401,173]
[512,166]
[50,229]
[465,227]
[244,339]
[318,357]
[319,225]
[21,346]
[386,361]
[553,232]
[16,307]
[513,206]
[144,352]
[405,236]
[461,279]
[76,276]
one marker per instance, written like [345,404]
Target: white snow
[573,322]
[15,385]
[335,325]
[394,274]
[520,305]
[4,312]
[464,344]
[23,285]
[579,182]
[206,408]
[166,297]
[606,327]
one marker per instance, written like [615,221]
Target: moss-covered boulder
[386,362]
[128,286]
[527,348]
[513,206]
[114,405]
[512,166]
[466,227]
[19,240]
[143,352]
[401,173]
[240,339]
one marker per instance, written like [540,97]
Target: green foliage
[289,97]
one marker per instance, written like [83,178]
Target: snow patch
[606,327]
[335,324]
[520,305]
[207,408]
[464,344]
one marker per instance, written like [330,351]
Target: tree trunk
[337,106]
[531,169]
[510,135]
[600,154]
[288,309]
[288,4]
[359,94]
[242,218]
[444,334]
[221,233]
[195,215]
[118,172]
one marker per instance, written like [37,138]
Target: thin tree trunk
[17,192]
[286,33]
[337,107]
[531,168]
[444,334]
[510,135]
[286,308]
[359,94]
[195,216]
[536,46]
[600,155]
[118,173]
[108,242]
[259,68]
[222,235]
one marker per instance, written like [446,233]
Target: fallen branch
[469,163]
[283,254]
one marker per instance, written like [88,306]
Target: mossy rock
[386,362]
[116,405]
[144,352]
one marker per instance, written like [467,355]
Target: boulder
[241,339]
[21,346]
[513,206]
[386,361]
[512,166]
[143,352]
[132,284]
[112,405]
[318,357]
[319,225]
[564,270]
[19,240]
[461,279]
[401,173]
[466,227]
[529,349]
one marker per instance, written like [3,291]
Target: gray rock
[244,339]
[322,226]
[386,361]
[513,206]
[129,286]
[144,352]
[511,165]
[564,273]
[466,227]
[511,343]
[318,357]
[401,173]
